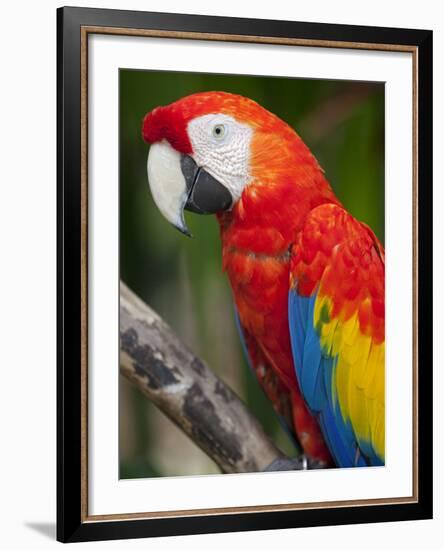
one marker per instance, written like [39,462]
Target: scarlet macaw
[307,278]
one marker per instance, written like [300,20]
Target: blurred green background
[181,278]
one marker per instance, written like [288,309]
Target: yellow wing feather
[359,375]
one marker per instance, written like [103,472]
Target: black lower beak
[205,194]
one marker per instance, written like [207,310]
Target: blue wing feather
[314,370]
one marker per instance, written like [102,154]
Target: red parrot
[307,278]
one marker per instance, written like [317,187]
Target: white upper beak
[167,183]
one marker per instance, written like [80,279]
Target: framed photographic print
[244,274]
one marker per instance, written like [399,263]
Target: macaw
[307,278]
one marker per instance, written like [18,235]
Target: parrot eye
[219,131]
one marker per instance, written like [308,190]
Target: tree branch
[189,393]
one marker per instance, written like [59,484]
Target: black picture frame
[71,523]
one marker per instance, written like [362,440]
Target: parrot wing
[336,319]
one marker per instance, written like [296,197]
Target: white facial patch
[221,146]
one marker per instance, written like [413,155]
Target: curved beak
[178,183]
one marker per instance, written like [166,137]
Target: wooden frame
[74,26]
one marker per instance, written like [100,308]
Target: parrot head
[208,149]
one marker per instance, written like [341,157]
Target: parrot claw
[298,463]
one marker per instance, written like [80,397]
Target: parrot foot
[298,463]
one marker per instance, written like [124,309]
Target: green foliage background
[343,124]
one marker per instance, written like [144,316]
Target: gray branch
[188,392]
